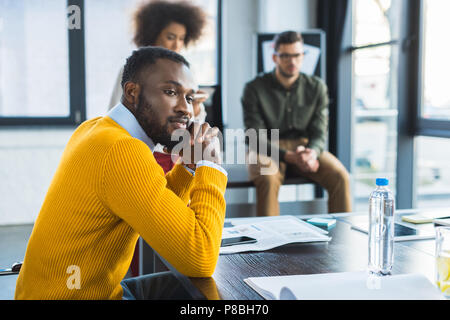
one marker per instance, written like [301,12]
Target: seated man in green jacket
[297,105]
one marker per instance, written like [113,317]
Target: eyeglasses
[287,56]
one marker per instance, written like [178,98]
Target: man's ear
[274,58]
[131,91]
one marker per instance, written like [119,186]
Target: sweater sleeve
[179,180]
[135,190]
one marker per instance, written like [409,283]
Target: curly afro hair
[152,17]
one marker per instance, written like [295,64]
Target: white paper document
[272,233]
[345,286]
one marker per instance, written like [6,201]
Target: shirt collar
[124,118]
[275,80]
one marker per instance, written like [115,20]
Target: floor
[13,243]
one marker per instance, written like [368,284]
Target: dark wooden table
[346,252]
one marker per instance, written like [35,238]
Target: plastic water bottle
[381,229]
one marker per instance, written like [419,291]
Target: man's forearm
[180,180]
[318,147]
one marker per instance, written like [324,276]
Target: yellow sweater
[108,190]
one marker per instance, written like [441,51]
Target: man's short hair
[144,57]
[287,37]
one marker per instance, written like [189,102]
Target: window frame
[77,83]
[77,76]
[410,123]
[408,98]
[352,49]
[423,126]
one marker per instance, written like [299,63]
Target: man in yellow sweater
[108,190]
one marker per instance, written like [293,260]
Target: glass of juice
[443,260]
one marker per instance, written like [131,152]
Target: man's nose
[185,107]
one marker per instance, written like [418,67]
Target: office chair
[15,268]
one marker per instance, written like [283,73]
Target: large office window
[34,61]
[375,110]
[109,36]
[436,62]
[432,182]
[400,100]
[52,74]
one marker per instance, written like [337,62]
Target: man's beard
[148,119]
[287,75]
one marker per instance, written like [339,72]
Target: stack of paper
[273,233]
[345,286]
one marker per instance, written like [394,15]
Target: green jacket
[300,112]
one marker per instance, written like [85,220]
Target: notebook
[426,216]
[345,286]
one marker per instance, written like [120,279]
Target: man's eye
[170,92]
[190,99]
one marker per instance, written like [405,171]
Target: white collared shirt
[124,118]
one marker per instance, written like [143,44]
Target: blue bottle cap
[382,182]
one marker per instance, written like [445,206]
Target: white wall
[29,156]
[282,15]
[28,160]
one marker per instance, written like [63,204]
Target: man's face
[165,100]
[289,58]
